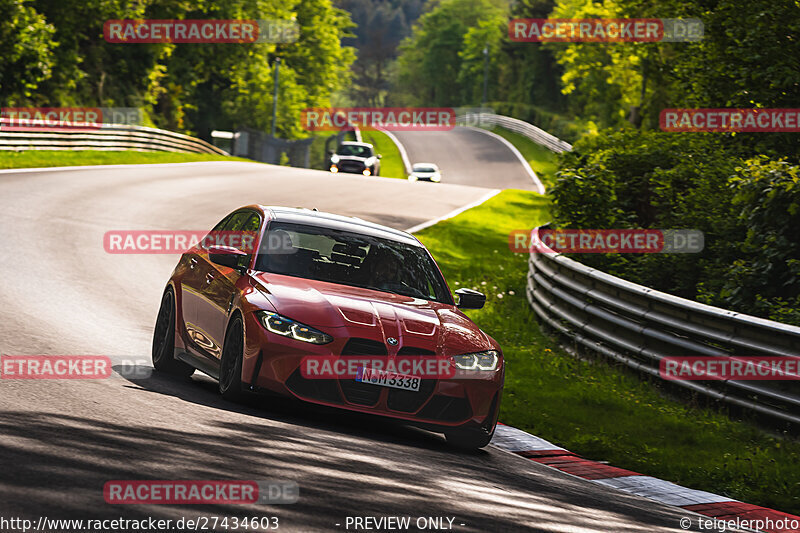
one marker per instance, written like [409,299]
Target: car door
[191,286]
[219,285]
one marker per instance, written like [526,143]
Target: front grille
[315,389]
[446,409]
[360,393]
[409,401]
[367,394]
[356,346]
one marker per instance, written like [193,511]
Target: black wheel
[230,372]
[469,439]
[164,340]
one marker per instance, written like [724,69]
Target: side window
[242,222]
[253,223]
[207,241]
[249,241]
[235,221]
[215,238]
[221,224]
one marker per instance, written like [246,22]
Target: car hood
[374,314]
[425,174]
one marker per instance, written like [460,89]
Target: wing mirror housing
[226,256]
[469,299]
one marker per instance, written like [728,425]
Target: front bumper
[273,363]
[350,167]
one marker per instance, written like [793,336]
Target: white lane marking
[515,440]
[455,212]
[662,491]
[522,160]
[401,149]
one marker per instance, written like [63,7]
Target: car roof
[312,217]
[433,165]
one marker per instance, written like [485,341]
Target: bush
[765,278]
[748,210]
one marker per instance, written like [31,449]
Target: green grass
[391,162]
[542,161]
[593,408]
[68,158]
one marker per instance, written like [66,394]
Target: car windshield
[424,169]
[350,258]
[356,150]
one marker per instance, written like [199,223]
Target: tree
[431,59]
[186,87]
[528,74]
[27,58]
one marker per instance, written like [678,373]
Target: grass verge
[68,158]
[593,408]
[391,162]
[543,162]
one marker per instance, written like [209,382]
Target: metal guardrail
[638,326]
[107,137]
[530,131]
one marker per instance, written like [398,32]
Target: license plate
[388,379]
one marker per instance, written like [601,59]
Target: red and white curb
[705,503]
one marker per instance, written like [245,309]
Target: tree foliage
[747,207]
[380,27]
[60,58]
[438,62]
[27,57]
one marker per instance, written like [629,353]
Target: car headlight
[477,361]
[368,162]
[334,159]
[280,325]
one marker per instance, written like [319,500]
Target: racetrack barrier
[109,137]
[539,136]
[638,326]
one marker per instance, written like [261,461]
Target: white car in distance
[425,172]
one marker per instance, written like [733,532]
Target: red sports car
[309,287]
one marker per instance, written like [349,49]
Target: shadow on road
[57,453]
[202,390]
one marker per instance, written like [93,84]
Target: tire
[164,340]
[469,439]
[230,368]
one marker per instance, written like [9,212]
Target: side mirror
[378,156]
[226,256]
[469,299]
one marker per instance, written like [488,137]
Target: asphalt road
[61,440]
[467,156]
